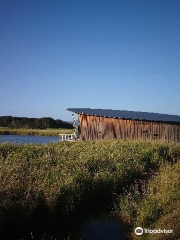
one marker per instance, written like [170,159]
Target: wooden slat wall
[127,129]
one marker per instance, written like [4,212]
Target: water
[102,229]
[20,139]
[92,222]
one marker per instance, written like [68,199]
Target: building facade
[108,124]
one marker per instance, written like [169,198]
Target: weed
[57,179]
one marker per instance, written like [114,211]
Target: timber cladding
[100,127]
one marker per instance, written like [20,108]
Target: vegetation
[34,132]
[154,203]
[57,181]
[33,123]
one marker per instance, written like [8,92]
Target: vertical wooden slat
[134,129]
[120,133]
[131,129]
[127,129]
[160,135]
[137,129]
[128,132]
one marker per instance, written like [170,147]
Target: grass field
[60,179]
[155,204]
[35,132]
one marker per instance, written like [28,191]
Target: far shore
[34,132]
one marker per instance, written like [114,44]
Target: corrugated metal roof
[127,114]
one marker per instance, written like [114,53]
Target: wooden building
[109,124]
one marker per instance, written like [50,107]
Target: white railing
[67,137]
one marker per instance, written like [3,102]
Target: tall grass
[155,202]
[34,132]
[59,179]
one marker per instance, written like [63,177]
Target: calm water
[100,228]
[20,139]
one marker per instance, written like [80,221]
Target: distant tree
[38,123]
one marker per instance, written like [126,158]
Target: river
[20,139]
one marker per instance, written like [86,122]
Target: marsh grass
[34,132]
[155,202]
[59,181]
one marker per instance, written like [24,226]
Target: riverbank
[34,132]
[56,183]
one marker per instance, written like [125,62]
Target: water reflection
[92,229]
[102,228]
[81,227]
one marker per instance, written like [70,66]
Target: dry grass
[57,179]
[157,206]
[34,132]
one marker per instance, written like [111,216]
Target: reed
[154,203]
[34,132]
[59,179]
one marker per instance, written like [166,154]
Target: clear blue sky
[115,54]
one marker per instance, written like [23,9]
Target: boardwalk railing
[67,137]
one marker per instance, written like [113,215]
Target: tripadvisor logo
[139,231]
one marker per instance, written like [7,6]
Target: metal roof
[157,117]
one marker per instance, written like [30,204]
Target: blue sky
[115,54]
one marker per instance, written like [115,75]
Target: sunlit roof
[159,117]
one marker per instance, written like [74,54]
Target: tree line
[33,123]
